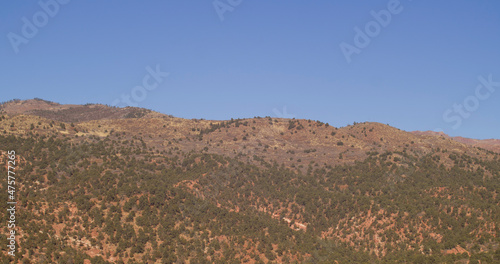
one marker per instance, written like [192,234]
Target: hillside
[489,144]
[130,185]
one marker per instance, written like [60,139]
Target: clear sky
[430,65]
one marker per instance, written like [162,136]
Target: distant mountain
[489,144]
[70,113]
[100,184]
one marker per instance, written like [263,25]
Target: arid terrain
[100,184]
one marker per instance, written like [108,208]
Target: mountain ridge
[94,112]
[129,185]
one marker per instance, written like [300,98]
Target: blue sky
[419,70]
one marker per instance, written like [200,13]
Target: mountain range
[101,184]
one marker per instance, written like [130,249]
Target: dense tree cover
[131,205]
